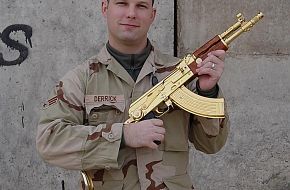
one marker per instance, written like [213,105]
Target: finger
[157,122]
[158,129]
[152,122]
[152,145]
[205,67]
[202,63]
[221,54]
[209,61]
[216,64]
[216,60]
[158,137]
[207,71]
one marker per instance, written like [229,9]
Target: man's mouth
[129,25]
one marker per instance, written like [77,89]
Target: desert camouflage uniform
[81,128]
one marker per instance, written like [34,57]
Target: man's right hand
[143,133]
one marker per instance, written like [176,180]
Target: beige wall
[256,83]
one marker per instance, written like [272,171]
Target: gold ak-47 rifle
[172,90]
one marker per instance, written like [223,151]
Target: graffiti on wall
[15,45]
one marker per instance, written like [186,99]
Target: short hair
[152,2]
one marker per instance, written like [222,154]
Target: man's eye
[142,6]
[121,3]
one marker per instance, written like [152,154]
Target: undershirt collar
[132,63]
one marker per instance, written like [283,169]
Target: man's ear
[153,14]
[104,7]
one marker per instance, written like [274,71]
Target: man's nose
[131,12]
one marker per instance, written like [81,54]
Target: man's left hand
[210,70]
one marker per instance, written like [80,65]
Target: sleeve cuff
[103,151]
[210,126]
[211,93]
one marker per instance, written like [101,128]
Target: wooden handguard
[215,43]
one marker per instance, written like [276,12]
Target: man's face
[128,20]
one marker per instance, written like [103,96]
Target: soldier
[82,124]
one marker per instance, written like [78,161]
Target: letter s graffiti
[23,50]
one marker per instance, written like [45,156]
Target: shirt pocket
[106,113]
[176,136]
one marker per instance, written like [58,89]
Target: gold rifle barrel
[240,27]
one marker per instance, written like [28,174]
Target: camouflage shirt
[81,127]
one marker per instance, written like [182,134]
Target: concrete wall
[256,85]
[65,33]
